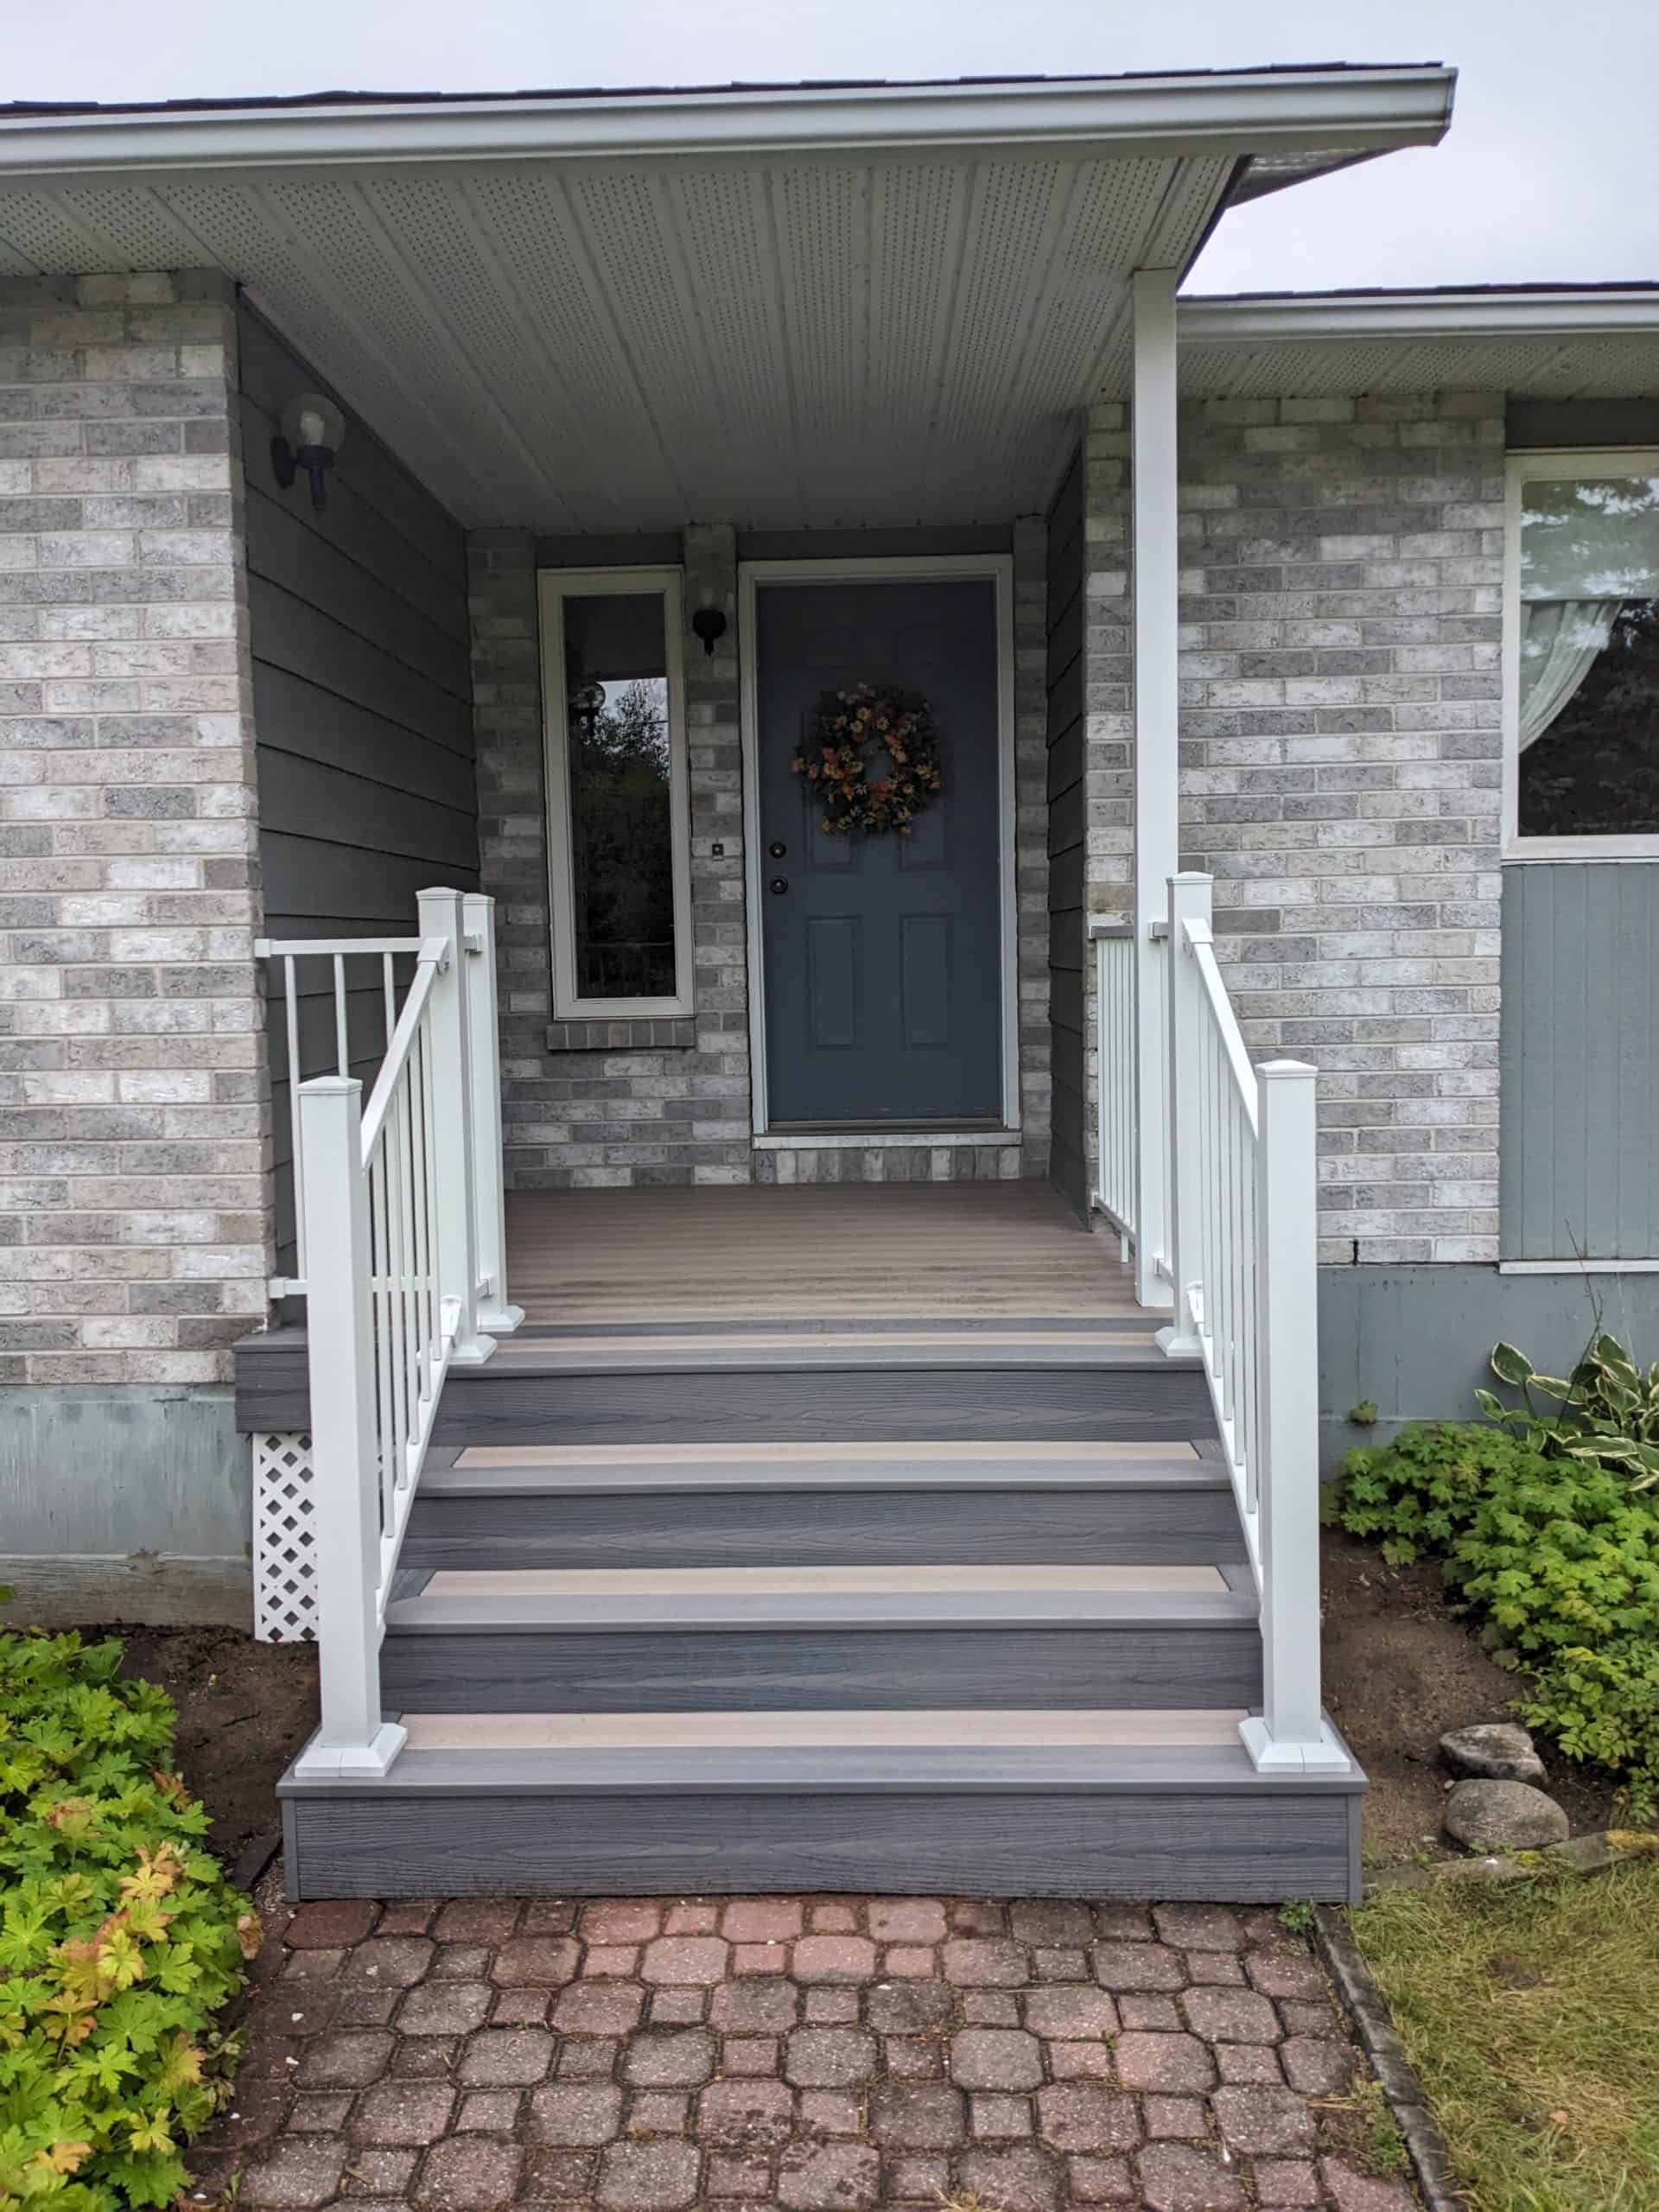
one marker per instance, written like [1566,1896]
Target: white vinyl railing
[1117,1191]
[400,1205]
[1240,1179]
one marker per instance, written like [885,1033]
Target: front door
[881,952]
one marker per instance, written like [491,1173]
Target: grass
[1528,2010]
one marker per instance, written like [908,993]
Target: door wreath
[872,726]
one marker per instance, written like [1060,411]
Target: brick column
[135,1195]
[135,1225]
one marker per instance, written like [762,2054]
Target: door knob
[778,883]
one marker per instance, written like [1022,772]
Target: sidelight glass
[616,793]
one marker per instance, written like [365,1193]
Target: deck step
[778,1505]
[743,1638]
[1094,1802]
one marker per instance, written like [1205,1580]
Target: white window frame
[1531,467]
[555,587]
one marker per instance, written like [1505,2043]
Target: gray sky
[1551,170]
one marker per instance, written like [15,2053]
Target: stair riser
[1254,1848]
[1104,1527]
[792,1669]
[1142,1405]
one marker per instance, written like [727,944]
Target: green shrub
[120,1938]
[1559,1559]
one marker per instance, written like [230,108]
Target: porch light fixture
[708,624]
[313,432]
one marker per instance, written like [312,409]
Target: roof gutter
[1291,320]
[1341,112]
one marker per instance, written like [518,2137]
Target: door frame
[916,568]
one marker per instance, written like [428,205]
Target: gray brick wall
[655,1103]
[135,1189]
[1341,762]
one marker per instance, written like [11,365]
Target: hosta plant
[120,1938]
[1607,1409]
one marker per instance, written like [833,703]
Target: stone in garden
[1503,1816]
[1493,1751]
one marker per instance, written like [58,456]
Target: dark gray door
[884,999]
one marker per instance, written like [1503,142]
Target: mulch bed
[1400,1667]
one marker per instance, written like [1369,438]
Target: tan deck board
[1102,1729]
[757,1252]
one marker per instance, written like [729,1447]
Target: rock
[1503,1816]
[1494,1751]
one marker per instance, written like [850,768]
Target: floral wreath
[848,730]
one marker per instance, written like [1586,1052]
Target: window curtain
[1559,642]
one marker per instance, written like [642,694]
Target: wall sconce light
[708,624]
[313,432]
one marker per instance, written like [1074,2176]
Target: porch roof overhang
[785,306]
[1540,341]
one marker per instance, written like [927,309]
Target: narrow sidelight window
[616,786]
[1583,705]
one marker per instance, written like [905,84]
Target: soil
[1401,1668]
[244,1709]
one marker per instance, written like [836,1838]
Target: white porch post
[495,1312]
[1290,1733]
[441,916]
[1156,579]
[1189,898]
[340,1342]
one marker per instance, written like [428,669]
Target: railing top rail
[433,953]
[1099,931]
[1201,944]
[300,947]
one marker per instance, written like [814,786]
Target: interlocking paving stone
[811,2054]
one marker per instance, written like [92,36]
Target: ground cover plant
[120,1938]
[1527,2010]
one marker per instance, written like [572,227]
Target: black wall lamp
[313,432]
[708,624]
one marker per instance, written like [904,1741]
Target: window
[1582,608]
[616,791]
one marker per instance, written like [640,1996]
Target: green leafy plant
[1557,1556]
[120,1938]
[1363,1415]
[1607,1408]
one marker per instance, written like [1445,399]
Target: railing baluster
[291,1018]
[342,1045]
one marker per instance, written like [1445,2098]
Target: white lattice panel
[284,1539]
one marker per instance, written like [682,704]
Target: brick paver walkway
[823,2055]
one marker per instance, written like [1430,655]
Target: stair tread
[914,1753]
[773,1598]
[792,1353]
[480,1471]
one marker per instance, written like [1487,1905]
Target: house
[777,1324]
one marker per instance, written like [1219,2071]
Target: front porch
[832,1252]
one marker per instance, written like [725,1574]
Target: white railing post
[496,1314]
[1290,1732]
[1185,1025]
[352,1739]
[451,1135]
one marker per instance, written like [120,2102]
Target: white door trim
[998,567]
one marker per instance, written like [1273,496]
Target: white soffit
[1598,343]
[800,309]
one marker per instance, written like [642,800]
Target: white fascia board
[1338,111]
[1291,318]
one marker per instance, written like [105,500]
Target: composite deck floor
[816,1252]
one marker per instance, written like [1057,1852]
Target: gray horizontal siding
[1579,1133]
[362,701]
